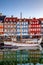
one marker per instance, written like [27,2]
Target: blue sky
[33,8]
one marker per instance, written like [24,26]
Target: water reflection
[22,57]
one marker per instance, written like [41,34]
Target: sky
[29,8]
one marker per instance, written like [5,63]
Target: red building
[35,27]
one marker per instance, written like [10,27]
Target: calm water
[22,57]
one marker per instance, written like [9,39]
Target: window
[1,30]
[14,26]
[8,25]
[37,29]
[35,22]
[18,30]
[22,23]
[33,30]
[11,25]
[11,22]
[26,26]
[23,26]
[41,25]
[18,33]
[24,33]
[6,19]
[5,22]
[8,22]
[32,25]
[14,22]
[37,25]
[11,30]
[26,22]
[10,19]
[8,30]
[41,30]
[18,22]
[29,26]
[5,25]
[24,30]
[18,26]
[13,19]
[32,22]
[5,30]
[41,21]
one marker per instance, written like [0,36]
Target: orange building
[1,24]
[10,26]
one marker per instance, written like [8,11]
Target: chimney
[21,15]
[12,16]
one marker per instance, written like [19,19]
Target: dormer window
[13,19]
[6,19]
[10,19]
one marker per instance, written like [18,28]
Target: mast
[21,25]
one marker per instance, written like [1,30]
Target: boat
[31,43]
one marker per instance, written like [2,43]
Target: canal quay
[21,57]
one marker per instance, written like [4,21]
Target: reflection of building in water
[21,56]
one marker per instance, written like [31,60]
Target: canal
[21,57]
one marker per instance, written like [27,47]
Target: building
[1,24]
[35,27]
[22,28]
[41,23]
[10,26]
